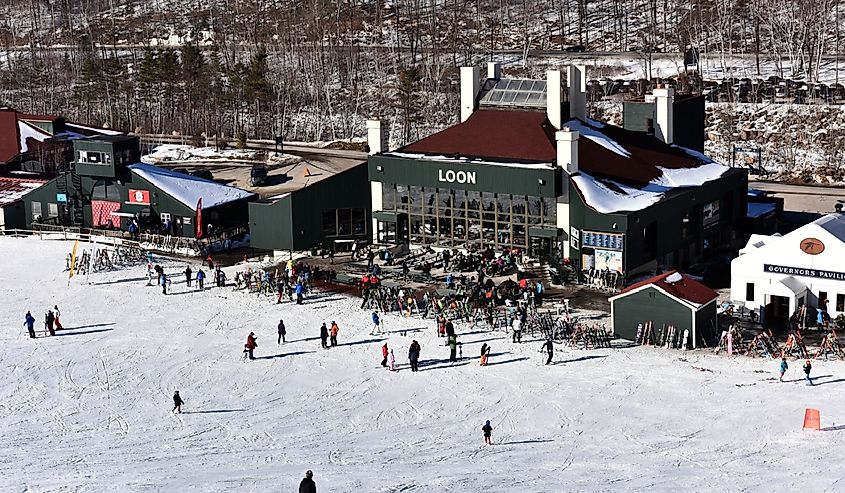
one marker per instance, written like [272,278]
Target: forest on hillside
[317,69]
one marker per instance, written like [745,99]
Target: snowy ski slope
[90,410]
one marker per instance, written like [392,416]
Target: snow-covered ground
[187,154]
[90,410]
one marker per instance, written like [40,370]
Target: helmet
[308,473]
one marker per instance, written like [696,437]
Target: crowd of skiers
[52,322]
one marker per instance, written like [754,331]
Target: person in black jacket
[177,403]
[488,433]
[549,346]
[324,335]
[307,484]
[282,332]
[188,275]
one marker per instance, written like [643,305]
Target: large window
[52,209]
[466,218]
[36,211]
[344,222]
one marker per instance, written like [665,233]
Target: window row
[344,222]
[460,232]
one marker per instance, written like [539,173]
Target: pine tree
[408,100]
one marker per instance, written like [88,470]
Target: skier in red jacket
[250,345]
[384,353]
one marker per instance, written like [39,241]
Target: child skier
[807,368]
[391,361]
[783,367]
[488,433]
[177,403]
[485,353]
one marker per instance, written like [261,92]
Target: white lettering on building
[451,176]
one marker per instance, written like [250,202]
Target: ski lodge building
[778,274]
[525,168]
[107,187]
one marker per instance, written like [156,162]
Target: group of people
[389,360]
[808,367]
[52,322]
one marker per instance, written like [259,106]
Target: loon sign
[452,176]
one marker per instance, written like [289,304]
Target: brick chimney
[470,86]
[567,150]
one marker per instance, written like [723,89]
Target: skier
[391,361]
[49,318]
[384,353]
[177,403]
[200,279]
[162,280]
[57,313]
[376,324]
[210,261]
[282,332]
[307,484]
[333,334]
[324,334]
[488,433]
[299,290]
[783,367]
[549,346]
[485,354]
[188,273]
[807,368]
[452,341]
[414,355]
[250,345]
[29,321]
[517,331]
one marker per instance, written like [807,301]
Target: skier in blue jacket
[30,324]
[783,368]
[299,290]
[200,279]
[376,323]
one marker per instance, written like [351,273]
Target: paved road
[803,198]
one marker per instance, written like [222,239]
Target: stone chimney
[577,82]
[567,150]
[470,85]
[494,70]
[554,98]
[664,100]
[377,137]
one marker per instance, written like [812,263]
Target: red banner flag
[199,218]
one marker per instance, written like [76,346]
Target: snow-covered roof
[29,131]
[189,189]
[86,130]
[13,189]
[833,224]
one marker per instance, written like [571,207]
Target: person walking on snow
[807,368]
[29,321]
[452,341]
[49,318]
[376,324]
[177,403]
[282,332]
[200,279]
[391,361]
[517,331]
[414,355]
[162,280]
[307,484]
[188,276]
[549,346]
[324,334]
[299,290]
[384,353]
[57,314]
[250,345]
[783,367]
[333,334]
[488,433]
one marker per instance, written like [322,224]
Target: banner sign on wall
[139,197]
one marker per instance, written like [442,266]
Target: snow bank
[171,153]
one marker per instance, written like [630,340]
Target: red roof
[687,288]
[528,136]
[38,118]
[9,135]
[12,189]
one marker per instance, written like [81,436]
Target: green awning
[386,216]
[541,232]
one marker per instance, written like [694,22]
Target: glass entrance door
[386,233]
[540,247]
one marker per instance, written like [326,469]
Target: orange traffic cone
[307,172]
[812,420]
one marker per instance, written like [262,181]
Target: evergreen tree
[409,100]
